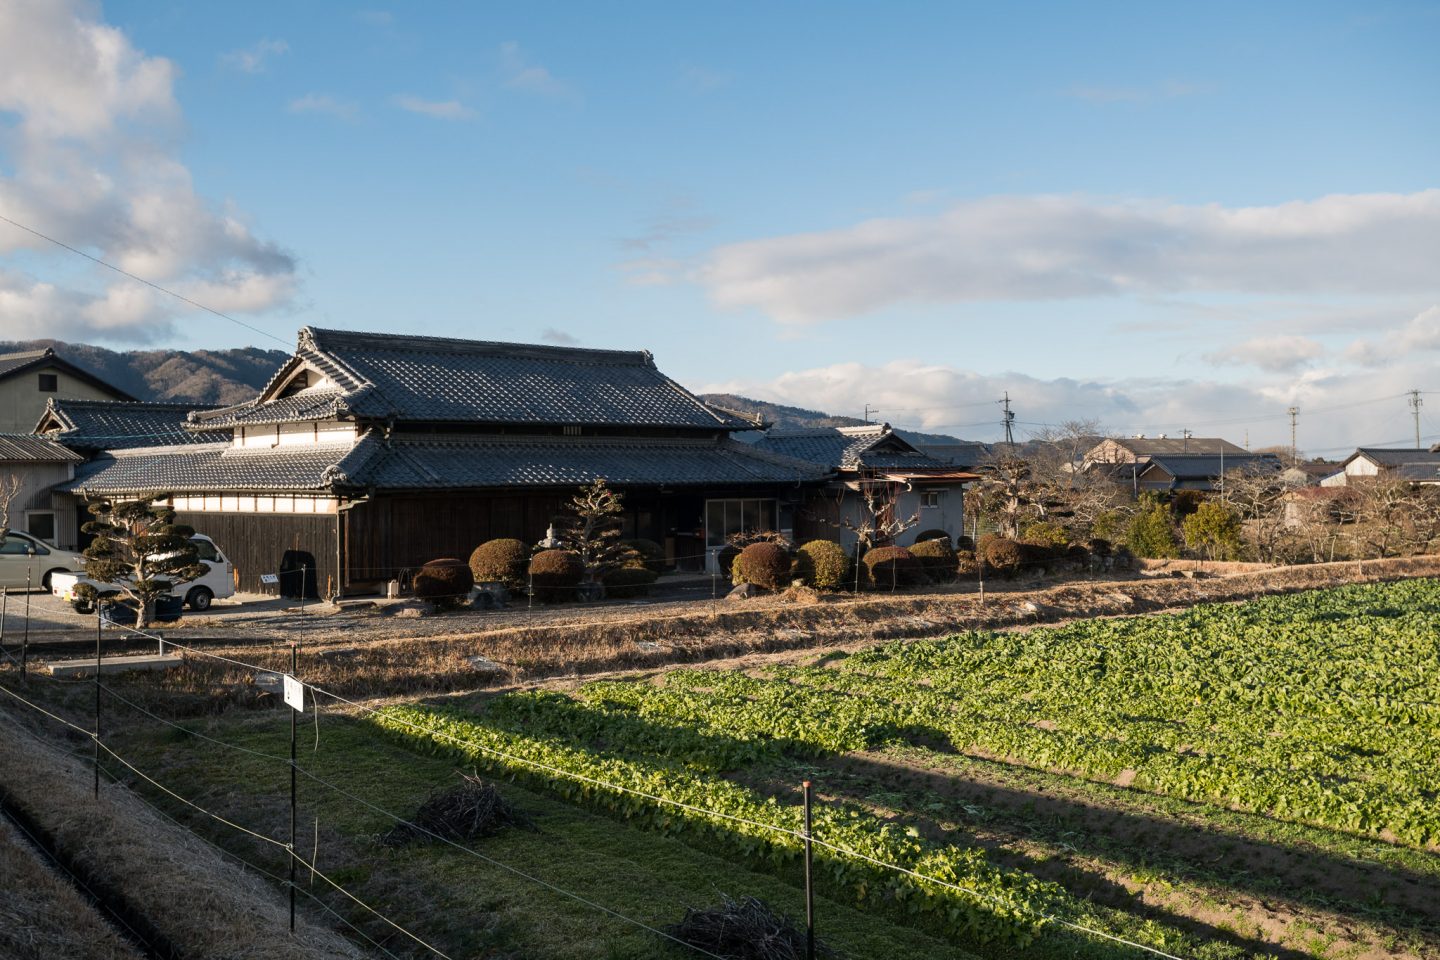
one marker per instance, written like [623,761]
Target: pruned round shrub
[555,574]
[1077,555]
[964,543]
[1034,556]
[966,566]
[1100,547]
[1002,556]
[924,535]
[446,580]
[889,567]
[1046,533]
[627,582]
[763,564]
[823,564]
[937,557]
[503,561]
[726,559]
[649,553]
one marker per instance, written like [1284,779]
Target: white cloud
[254,59]
[1058,247]
[1349,409]
[1420,335]
[1280,354]
[323,103]
[557,336]
[436,109]
[88,130]
[521,74]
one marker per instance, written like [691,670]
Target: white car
[218,582]
[26,559]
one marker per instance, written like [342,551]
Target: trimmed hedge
[444,580]
[726,559]
[555,575]
[932,534]
[893,567]
[504,561]
[631,580]
[763,564]
[1002,556]
[650,554]
[937,557]
[824,565]
[966,566]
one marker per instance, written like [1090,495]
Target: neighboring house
[1203,473]
[29,468]
[1139,449]
[874,458]
[368,454]
[966,456]
[1308,474]
[91,427]
[1408,463]
[28,380]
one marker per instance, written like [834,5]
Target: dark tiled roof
[956,454]
[24,448]
[10,362]
[1395,457]
[1417,471]
[1179,446]
[120,424]
[873,446]
[219,466]
[437,380]
[1201,468]
[442,463]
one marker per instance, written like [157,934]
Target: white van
[29,560]
[217,583]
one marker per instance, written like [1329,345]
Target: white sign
[269,578]
[294,693]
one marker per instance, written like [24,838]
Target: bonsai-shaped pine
[590,529]
[140,550]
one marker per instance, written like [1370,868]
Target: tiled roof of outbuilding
[443,463]
[120,424]
[873,446]
[13,363]
[1205,467]
[1394,457]
[439,380]
[24,448]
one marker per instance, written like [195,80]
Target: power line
[125,273]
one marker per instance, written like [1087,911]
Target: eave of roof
[36,359]
[26,448]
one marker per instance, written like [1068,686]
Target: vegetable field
[1319,709]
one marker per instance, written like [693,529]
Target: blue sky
[1153,215]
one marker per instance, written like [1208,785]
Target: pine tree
[140,551]
[590,529]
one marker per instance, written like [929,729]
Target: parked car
[218,582]
[23,556]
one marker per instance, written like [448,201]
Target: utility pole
[1009,422]
[1186,435]
[868,411]
[1294,412]
[1415,402]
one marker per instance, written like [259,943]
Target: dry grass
[123,844]
[43,917]
[355,667]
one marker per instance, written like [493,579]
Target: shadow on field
[1198,853]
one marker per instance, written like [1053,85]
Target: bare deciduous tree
[880,521]
[1258,496]
[10,486]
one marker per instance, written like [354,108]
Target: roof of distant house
[23,448]
[441,462]
[871,446]
[1190,467]
[1175,446]
[956,454]
[1395,456]
[386,377]
[13,364]
[120,424]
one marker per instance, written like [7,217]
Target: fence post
[530,597]
[4,605]
[857,566]
[294,660]
[99,624]
[25,636]
[809,883]
[303,574]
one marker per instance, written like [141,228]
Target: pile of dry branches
[746,929]
[472,809]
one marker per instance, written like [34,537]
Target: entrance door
[725,518]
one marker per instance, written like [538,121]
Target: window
[726,517]
[206,551]
[930,499]
[49,382]
[40,524]
[15,546]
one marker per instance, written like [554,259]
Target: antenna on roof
[868,411]
[1185,440]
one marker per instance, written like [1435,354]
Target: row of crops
[1320,707]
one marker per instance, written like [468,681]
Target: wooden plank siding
[256,542]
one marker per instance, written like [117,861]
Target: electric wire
[125,273]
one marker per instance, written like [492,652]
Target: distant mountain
[798,418]
[199,376]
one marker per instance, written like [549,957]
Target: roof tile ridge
[419,343]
